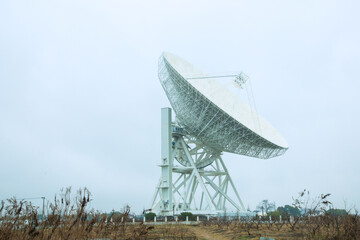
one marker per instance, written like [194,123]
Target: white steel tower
[201,174]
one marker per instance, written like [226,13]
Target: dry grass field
[69,218]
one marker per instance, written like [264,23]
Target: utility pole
[43,199]
[43,210]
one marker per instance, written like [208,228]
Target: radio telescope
[210,120]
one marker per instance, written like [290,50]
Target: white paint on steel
[215,115]
[194,182]
[210,119]
[167,160]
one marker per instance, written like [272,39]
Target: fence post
[187,218]
[208,217]
[133,219]
[197,218]
[280,219]
[144,219]
[155,219]
[165,219]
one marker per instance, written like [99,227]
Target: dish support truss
[202,182]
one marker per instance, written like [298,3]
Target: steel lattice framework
[209,121]
[202,184]
[210,124]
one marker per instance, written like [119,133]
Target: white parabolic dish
[215,115]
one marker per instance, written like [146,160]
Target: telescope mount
[193,178]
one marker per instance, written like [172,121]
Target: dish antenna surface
[210,120]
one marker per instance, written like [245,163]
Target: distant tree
[265,206]
[288,210]
[190,216]
[150,216]
[337,212]
[274,214]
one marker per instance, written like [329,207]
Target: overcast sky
[80,98]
